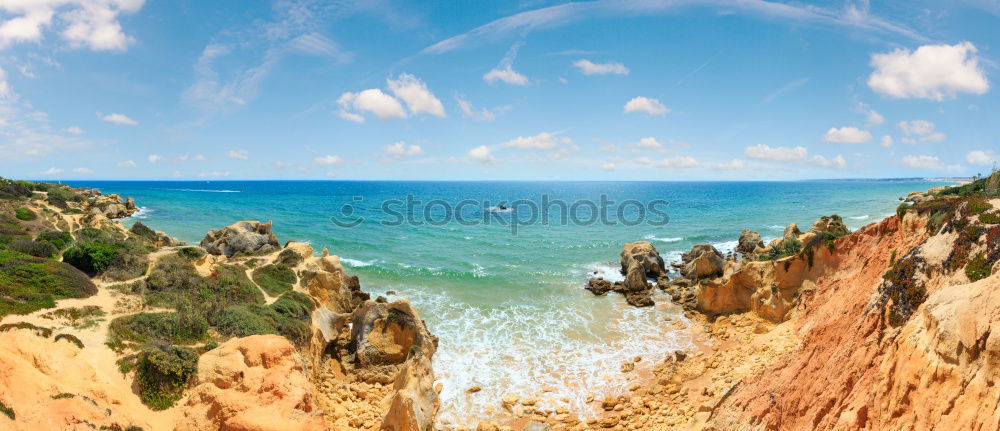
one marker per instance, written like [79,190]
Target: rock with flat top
[244,237]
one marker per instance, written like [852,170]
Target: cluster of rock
[110,206]
[244,237]
[759,278]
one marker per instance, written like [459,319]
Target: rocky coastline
[818,329]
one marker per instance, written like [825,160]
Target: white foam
[860,217]
[142,212]
[478,270]
[776,227]
[205,190]
[572,344]
[670,239]
[606,271]
[356,263]
[499,210]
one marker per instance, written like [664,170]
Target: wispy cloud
[789,87]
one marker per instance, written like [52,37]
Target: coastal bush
[9,412]
[901,210]
[29,283]
[33,248]
[289,258]
[71,338]
[990,218]
[38,330]
[62,396]
[65,193]
[175,327]
[191,253]
[987,187]
[99,252]
[162,374]
[144,231]
[13,189]
[246,320]
[77,317]
[976,206]
[57,202]
[978,268]
[275,279]
[295,305]
[962,247]
[60,240]
[901,292]
[91,257]
[25,214]
[789,247]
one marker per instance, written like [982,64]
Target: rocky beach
[108,327]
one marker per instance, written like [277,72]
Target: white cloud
[836,162]
[681,162]
[93,24]
[199,157]
[154,158]
[418,98]
[319,45]
[646,105]
[541,141]
[643,160]
[732,165]
[611,148]
[923,130]
[608,166]
[401,150]
[469,111]
[777,154]
[650,144]
[120,119]
[847,135]
[238,154]
[372,100]
[934,72]
[74,130]
[886,141]
[329,160]
[588,67]
[982,158]
[507,74]
[482,154]
[82,170]
[127,164]
[505,70]
[6,92]
[872,117]
[52,171]
[921,162]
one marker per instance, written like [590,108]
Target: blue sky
[523,90]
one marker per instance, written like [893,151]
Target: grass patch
[25,214]
[275,279]
[99,252]
[191,253]
[978,268]
[77,317]
[40,331]
[989,218]
[175,327]
[71,338]
[60,240]
[162,374]
[33,248]
[9,412]
[30,283]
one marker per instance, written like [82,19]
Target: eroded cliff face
[864,361]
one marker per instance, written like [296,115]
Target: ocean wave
[141,213]
[577,351]
[604,270]
[206,190]
[357,263]
[670,239]
[776,227]
[860,217]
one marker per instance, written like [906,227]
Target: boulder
[703,261]
[599,286]
[387,334]
[111,206]
[637,290]
[791,232]
[749,242]
[252,383]
[644,253]
[830,224]
[246,237]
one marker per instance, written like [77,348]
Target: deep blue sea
[506,298]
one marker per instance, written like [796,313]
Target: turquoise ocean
[509,305]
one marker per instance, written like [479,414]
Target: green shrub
[65,193]
[72,211]
[162,373]
[990,218]
[286,317]
[57,202]
[60,240]
[191,252]
[175,327]
[978,268]
[289,257]
[295,305]
[71,338]
[976,206]
[275,279]
[14,189]
[91,257]
[77,317]
[7,411]
[29,283]
[33,248]
[63,396]
[25,214]
[38,330]
[144,231]
[901,292]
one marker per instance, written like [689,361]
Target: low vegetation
[275,279]
[98,252]
[162,373]
[77,317]
[7,411]
[901,291]
[29,283]
[70,338]
[25,214]
[38,330]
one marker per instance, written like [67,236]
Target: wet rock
[703,261]
[646,255]
[599,286]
